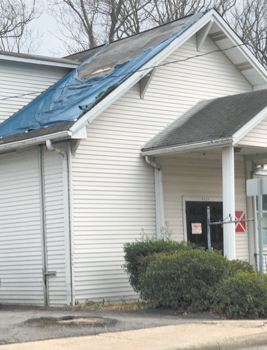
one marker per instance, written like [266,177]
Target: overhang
[36,59]
[211,123]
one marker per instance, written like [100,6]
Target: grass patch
[107,305]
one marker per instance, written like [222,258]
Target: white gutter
[41,61]
[66,216]
[188,147]
[35,140]
[158,198]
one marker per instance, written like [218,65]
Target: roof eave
[35,141]
[255,63]
[42,61]
[188,147]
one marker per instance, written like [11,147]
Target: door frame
[195,199]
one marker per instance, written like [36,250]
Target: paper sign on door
[196,229]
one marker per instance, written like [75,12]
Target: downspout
[43,227]
[51,148]
[150,162]
[158,197]
[71,225]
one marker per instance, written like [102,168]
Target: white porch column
[228,182]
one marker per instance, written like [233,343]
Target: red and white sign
[240,226]
[196,229]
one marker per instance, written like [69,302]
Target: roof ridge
[131,36]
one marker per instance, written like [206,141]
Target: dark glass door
[196,213]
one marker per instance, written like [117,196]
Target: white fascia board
[80,134]
[35,140]
[192,147]
[42,62]
[240,45]
[133,79]
[249,125]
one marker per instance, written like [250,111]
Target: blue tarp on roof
[71,97]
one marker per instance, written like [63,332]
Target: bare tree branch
[250,22]
[88,23]
[15,15]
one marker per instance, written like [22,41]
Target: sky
[51,45]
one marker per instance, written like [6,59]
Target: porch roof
[213,121]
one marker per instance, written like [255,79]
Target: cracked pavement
[66,328]
[24,323]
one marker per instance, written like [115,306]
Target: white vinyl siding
[257,136]
[18,78]
[113,187]
[191,176]
[21,260]
[54,215]
[21,236]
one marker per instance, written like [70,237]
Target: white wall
[18,78]
[55,237]
[21,259]
[22,239]
[198,175]
[257,136]
[113,187]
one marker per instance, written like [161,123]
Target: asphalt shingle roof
[210,120]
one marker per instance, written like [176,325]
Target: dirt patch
[71,321]
[81,321]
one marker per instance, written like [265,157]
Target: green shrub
[238,266]
[241,295]
[183,279]
[137,250]
[172,274]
